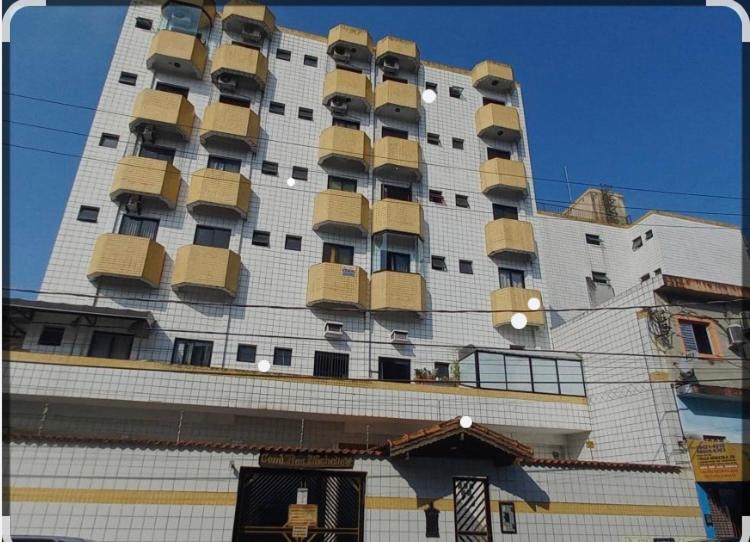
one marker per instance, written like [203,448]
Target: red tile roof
[600,465]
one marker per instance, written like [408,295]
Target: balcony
[492,76]
[239,70]
[508,236]
[397,100]
[214,189]
[234,125]
[503,177]
[153,180]
[347,43]
[178,54]
[498,122]
[398,292]
[395,54]
[127,258]
[392,215]
[250,22]
[208,7]
[345,90]
[345,148]
[511,301]
[336,285]
[397,158]
[339,210]
[197,268]
[162,114]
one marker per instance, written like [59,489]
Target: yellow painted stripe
[141,365]
[224,498]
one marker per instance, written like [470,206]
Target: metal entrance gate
[471,503]
[264,497]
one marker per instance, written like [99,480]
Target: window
[232,100]
[465,267]
[497,153]
[462,201]
[395,261]
[695,337]
[637,243]
[305,113]
[486,101]
[293,242]
[570,374]
[261,238]
[51,336]
[387,77]
[209,236]
[224,164]
[353,69]
[395,252]
[88,214]
[340,183]
[433,139]
[431,86]
[504,211]
[599,277]
[393,132]
[246,353]
[282,356]
[110,345]
[299,173]
[109,140]
[127,78]
[157,153]
[657,271]
[283,54]
[190,352]
[246,45]
[331,365]
[342,254]
[593,239]
[544,375]
[389,191]
[139,226]
[174,89]
[270,168]
[143,23]
[311,61]
[518,373]
[344,123]
[508,518]
[442,371]
[438,263]
[511,278]
[649,234]
[458,143]
[276,108]
[645,277]
[394,369]
[436,196]
[455,92]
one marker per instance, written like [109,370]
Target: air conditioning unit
[148,133]
[226,82]
[133,205]
[390,64]
[340,54]
[338,106]
[251,33]
[399,336]
[736,335]
[334,330]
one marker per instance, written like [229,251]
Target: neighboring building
[256,196]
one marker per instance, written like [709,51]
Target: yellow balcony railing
[348,89]
[509,236]
[177,53]
[500,122]
[398,292]
[347,42]
[152,179]
[404,52]
[492,76]
[127,258]
[345,148]
[230,124]
[332,284]
[198,267]
[398,100]
[163,113]
[239,69]
[502,176]
[215,189]
[392,215]
[508,301]
[337,209]
[397,158]
[240,17]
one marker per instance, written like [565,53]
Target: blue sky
[639,97]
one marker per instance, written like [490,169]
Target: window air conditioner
[338,106]
[390,64]
[736,335]
[334,330]
[251,34]
[340,54]
[399,336]
[226,82]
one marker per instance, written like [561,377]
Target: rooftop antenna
[567,183]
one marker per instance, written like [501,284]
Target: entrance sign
[719,461]
[305,461]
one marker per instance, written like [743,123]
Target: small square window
[51,336]
[109,141]
[233,100]
[282,356]
[455,92]
[246,353]
[276,108]
[261,238]
[599,277]
[293,242]
[127,78]
[462,201]
[465,267]
[649,234]
[593,239]
[442,371]
[311,61]
[299,173]
[497,153]
[645,277]
[438,263]
[458,143]
[173,89]
[433,139]
[270,168]
[143,23]
[657,271]
[305,113]
[637,243]
[437,197]
[88,214]
[393,132]
[431,86]
[283,54]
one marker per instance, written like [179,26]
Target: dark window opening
[51,336]
[232,100]
[393,132]
[305,113]
[431,86]
[282,356]
[504,211]
[224,164]
[455,92]
[127,78]
[311,61]
[340,183]
[331,365]
[462,201]
[174,89]
[433,139]
[341,254]
[208,236]
[645,277]
[466,267]
[345,123]
[88,214]
[486,101]
[157,153]
[394,369]
[261,238]
[438,263]
[299,173]
[190,352]
[511,278]
[347,68]
[283,54]
[436,196]
[387,77]
[695,337]
[276,108]
[269,168]
[497,153]
[139,226]
[143,23]
[442,371]
[109,140]
[293,242]
[458,143]
[395,261]
[389,191]
[637,243]
[599,277]
[246,353]
[110,345]
[649,234]
[593,239]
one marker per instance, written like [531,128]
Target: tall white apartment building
[295,295]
